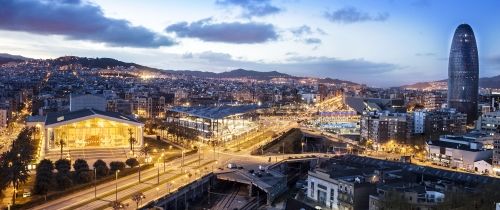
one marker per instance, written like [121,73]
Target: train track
[228,199]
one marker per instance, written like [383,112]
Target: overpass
[272,183]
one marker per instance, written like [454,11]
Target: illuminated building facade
[90,128]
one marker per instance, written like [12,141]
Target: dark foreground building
[463,73]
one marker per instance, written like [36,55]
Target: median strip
[100,197]
[128,196]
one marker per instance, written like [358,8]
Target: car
[232,166]
[240,167]
[251,171]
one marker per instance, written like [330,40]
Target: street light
[139,172]
[95,182]
[163,157]
[116,185]
[158,174]
[182,161]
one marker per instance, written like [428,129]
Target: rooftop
[36,118]
[453,145]
[215,112]
[53,118]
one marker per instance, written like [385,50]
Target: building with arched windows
[89,129]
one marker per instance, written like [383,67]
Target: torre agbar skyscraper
[463,73]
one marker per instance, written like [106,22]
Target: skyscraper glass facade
[463,73]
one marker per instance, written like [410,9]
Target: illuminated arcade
[90,128]
[217,123]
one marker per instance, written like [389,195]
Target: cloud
[76,20]
[302,30]
[187,55]
[358,66]
[350,15]
[214,56]
[234,32]
[252,8]
[321,31]
[312,41]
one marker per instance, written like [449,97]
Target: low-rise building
[411,195]
[457,152]
[340,187]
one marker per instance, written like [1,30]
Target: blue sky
[377,42]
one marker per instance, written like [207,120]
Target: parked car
[232,166]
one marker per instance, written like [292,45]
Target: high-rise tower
[463,73]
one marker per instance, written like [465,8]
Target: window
[312,190]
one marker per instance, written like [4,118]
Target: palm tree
[131,140]
[61,144]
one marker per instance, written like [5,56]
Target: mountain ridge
[7,58]
[111,62]
[484,82]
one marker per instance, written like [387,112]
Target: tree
[63,179]
[82,172]
[131,140]
[63,166]
[43,177]
[14,164]
[146,149]
[394,200]
[116,165]
[137,197]
[132,162]
[101,168]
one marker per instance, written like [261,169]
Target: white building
[344,189]
[457,152]
[322,189]
[483,167]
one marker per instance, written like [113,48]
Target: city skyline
[337,39]
[249,104]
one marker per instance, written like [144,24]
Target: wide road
[173,177]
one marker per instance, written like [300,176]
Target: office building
[463,73]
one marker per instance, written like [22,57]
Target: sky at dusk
[377,42]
